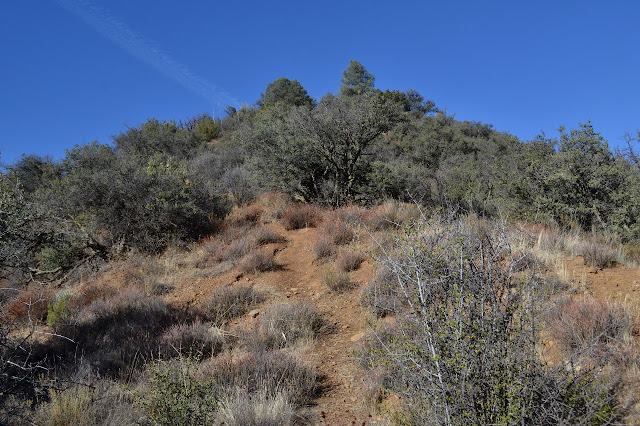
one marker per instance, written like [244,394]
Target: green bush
[58,311]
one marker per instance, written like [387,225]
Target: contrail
[142,48]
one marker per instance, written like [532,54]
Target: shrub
[258,261]
[349,260]
[336,280]
[267,373]
[596,329]
[58,311]
[240,408]
[465,350]
[598,255]
[338,230]
[239,248]
[265,235]
[298,216]
[323,246]
[30,305]
[113,333]
[176,394]
[383,294]
[196,339]
[284,325]
[72,407]
[246,215]
[229,302]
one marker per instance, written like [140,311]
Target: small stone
[357,337]
[254,313]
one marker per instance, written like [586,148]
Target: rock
[357,337]
[254,313]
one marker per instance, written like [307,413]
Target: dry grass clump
[298,216]
[352,214]
[337,280]
[349,260]
[100,402]
[284,325]
[111,334]
[333,232]
[392,214]
[230,302]
[241,408]
[239,248]
[585,323]
[266,235]
[198,339]
[250,214]
[323,246]
[598,255]
[268,373]
[258,261]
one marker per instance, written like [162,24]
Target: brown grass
[298,216]
[586,323]
[272,373]
[196,339]
[284,325]
[229,302]
[258,261]
[349,260]
[337,280]
[30,305]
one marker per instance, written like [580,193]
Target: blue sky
[74,71]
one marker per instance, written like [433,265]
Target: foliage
[141,202]
[177,396]
[465,348]
[286,92]
[356,80]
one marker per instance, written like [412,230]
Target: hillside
[186,281]
[361,259]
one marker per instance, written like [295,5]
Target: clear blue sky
[74,71]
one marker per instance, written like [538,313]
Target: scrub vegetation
[142,281]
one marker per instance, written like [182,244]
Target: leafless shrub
[596,328]
[298,216]
[598,255]
[336,279]
[229,302]
[349,260]
[284,325]
[258,261]
[383,294]
[196,339]
[465,348]
[29,305]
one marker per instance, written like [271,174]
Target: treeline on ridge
[165,183]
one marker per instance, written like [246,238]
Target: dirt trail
[300,278]
[333,354]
